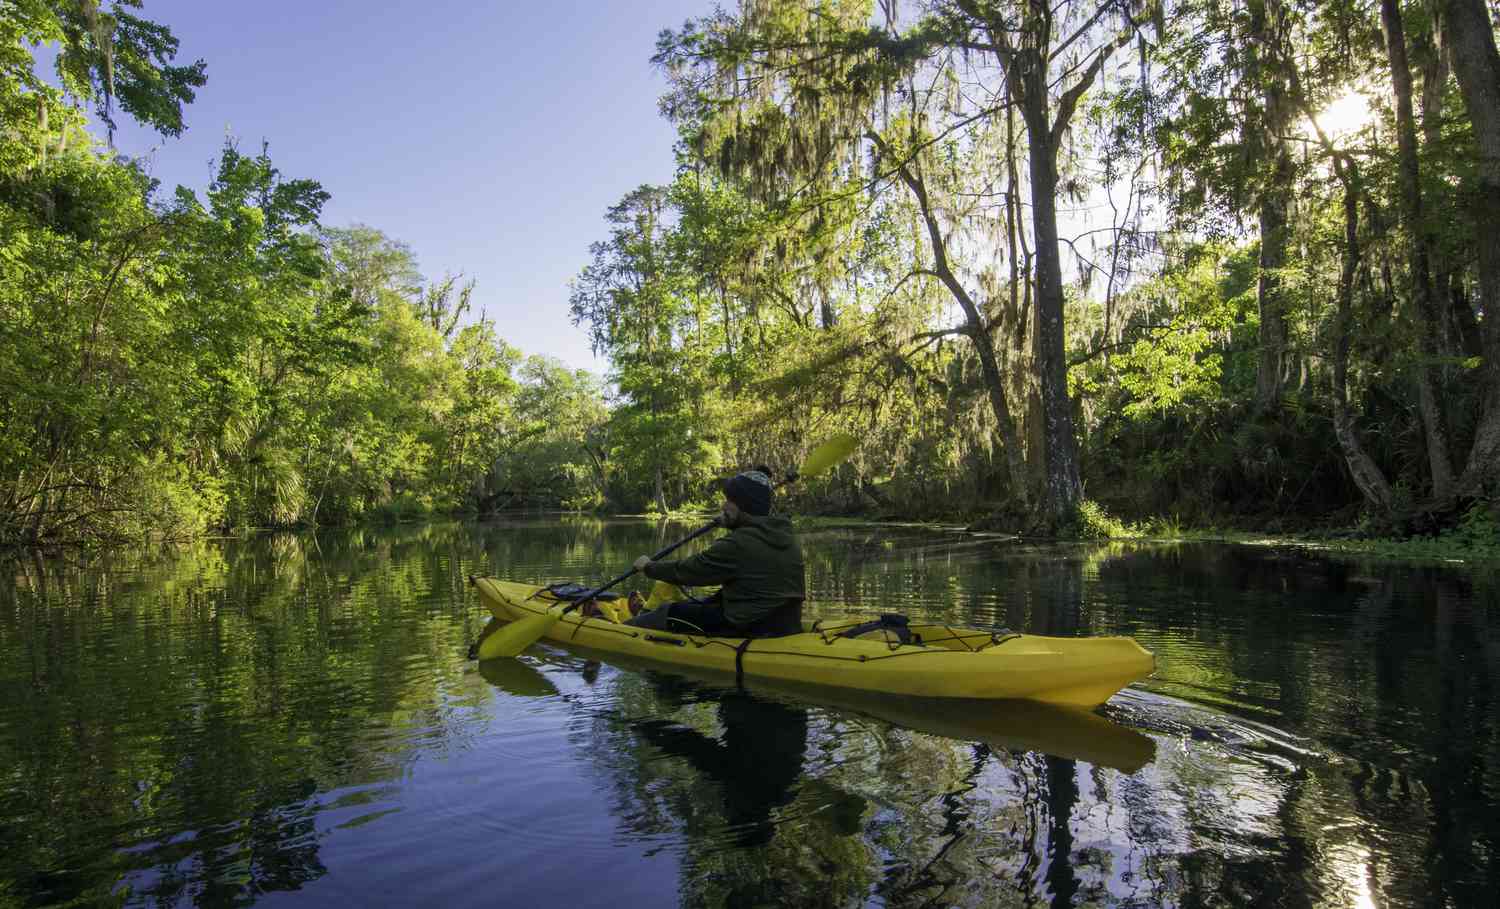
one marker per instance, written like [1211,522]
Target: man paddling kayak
[758,563]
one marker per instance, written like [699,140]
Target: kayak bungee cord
[827,634]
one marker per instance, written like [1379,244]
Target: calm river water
[292,719]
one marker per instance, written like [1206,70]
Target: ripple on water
[515,782]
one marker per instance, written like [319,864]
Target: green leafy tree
[636,304]
[556,450]
[785,90]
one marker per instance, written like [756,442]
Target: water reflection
[729,775]
[755,760]
[793,802]
[294,716]
[517,678]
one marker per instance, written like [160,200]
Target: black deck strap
[891,623]
[739,662]
[658,639]
[831,633]
[1000,637]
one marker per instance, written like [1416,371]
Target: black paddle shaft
[712,525]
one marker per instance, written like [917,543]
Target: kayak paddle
[522,633]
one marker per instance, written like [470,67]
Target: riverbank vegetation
[1065,264]
[179,362]
[1062,268]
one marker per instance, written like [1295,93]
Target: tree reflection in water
[294,715]
[768,800]
[772,801]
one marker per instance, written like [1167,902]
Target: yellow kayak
[949,661]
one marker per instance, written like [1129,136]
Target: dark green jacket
[758,563]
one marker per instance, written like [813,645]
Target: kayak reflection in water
[756,763]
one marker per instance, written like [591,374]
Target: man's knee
[655,619]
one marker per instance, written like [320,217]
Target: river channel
[292,719]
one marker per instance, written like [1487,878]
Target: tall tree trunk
[1019,313]
[1271,373]
[1366,473]
[1026,57]
[1433,421]
[1064,489]
[1266,24]
[43,133]
[1447,287]
[974,324]
[827,316]
[1470,36]
[734,366]
[1013,227]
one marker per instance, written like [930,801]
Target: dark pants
[708,618]
[690,617]
[702,618]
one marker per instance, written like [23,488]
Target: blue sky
[488,136]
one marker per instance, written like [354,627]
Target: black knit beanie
[751,491]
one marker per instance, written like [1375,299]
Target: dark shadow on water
[517,678]
[756,762]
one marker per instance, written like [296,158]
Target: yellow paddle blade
[829,455]
[518,635]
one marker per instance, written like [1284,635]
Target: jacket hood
[773,530]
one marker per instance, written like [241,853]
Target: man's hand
[642,562]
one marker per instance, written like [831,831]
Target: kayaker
[758,565]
